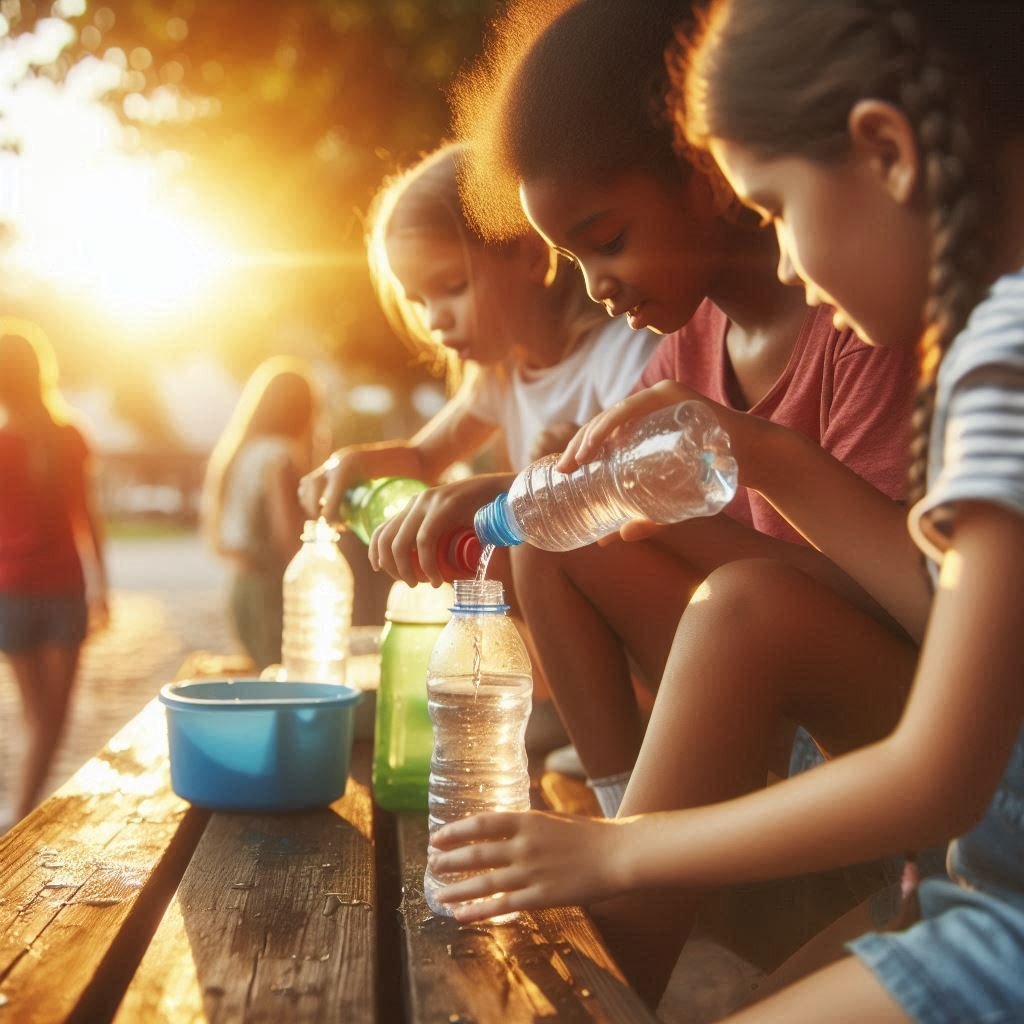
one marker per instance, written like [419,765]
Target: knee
[743,598]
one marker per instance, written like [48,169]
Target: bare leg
[827,947]
[586,609]
[590,608]
[45,677]
[845,992]
[760,645]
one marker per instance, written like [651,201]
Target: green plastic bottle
[373,502]
[403,735]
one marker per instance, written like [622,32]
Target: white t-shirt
[244,525]
[602,370]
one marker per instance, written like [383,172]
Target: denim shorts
[962,963]
[37,620]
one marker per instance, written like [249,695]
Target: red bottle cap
[464,550]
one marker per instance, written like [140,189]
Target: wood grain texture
[548,965]
[273,921]
[85,877]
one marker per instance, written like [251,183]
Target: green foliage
[296,110]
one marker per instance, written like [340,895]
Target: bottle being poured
[672,465]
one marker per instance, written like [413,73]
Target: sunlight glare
[116,238]
[86,216]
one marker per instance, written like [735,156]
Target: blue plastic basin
[258,745]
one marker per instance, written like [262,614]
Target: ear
[882,137]
[541,259]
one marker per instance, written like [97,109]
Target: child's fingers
[639,529]
[492,825]
[482,910]
[482,886]
[472,857]
[310,490]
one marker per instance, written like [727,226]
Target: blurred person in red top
[48,528]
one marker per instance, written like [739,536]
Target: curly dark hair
[569,89]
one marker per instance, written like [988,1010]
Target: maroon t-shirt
[37,545]
[852,399]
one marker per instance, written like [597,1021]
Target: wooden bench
[120,902]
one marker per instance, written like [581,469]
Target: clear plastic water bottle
[317,608]
[404,738]
[373,502]
[672,465]
[479,694]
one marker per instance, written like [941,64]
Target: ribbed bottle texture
[479,695]
[318,589]
[673,465]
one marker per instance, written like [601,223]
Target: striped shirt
[976,448]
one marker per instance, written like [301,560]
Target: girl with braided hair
[900,126]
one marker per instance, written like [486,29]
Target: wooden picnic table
[121,902]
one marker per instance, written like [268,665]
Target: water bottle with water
[404,738]
[318,589]
[672,465]
[373,502]
[479,694]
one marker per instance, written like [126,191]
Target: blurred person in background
[251,515]
[51,542]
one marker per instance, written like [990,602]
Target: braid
[929,96]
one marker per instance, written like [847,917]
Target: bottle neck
[494,524]
[319,531]
[479,597]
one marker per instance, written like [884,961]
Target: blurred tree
[291,113]
[286,115]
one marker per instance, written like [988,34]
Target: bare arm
[90,539]
[850,521]
[907,791]
[453,434]
[284,514]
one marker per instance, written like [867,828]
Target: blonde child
[539,358]
[251,516]
[900,125]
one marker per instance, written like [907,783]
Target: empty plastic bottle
[672,465]
[373,502]
[479,694]
[404,737]
[317,608]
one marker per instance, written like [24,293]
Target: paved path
[168,597]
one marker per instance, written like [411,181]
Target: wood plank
[273,921]
[550,964]
[86,876]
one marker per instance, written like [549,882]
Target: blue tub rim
[340,695]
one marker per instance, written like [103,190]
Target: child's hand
[321,490]
[591,437]
[405,547]
[529,861]
[99,612]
